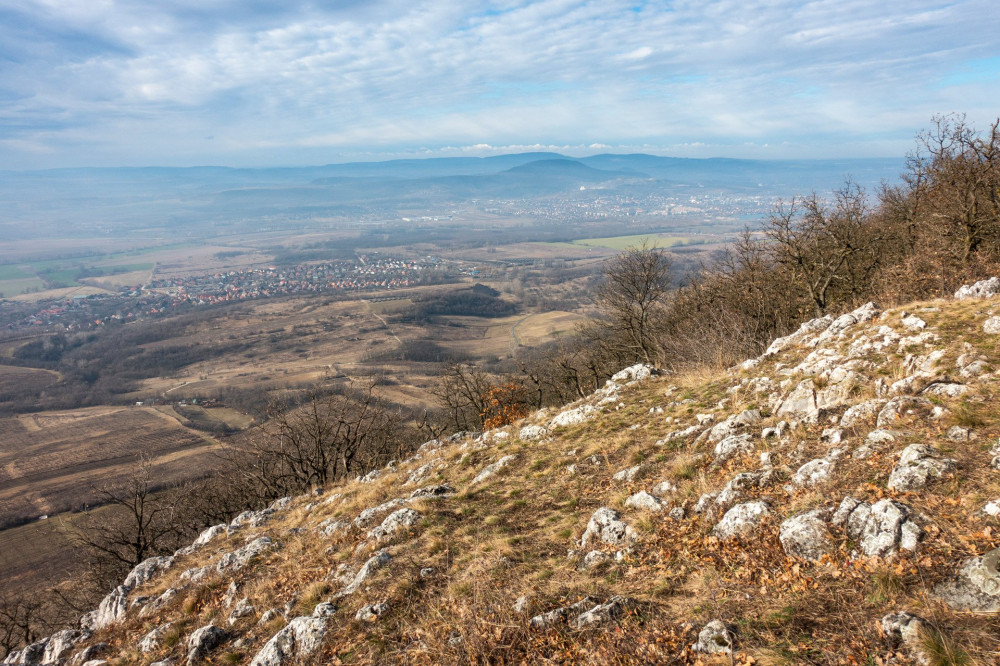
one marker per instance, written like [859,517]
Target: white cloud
[387,75]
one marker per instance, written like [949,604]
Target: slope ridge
[833,501]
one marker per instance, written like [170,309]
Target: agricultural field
[15,380]
[51,462]
[625,242]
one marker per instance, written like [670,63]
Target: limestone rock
[371,612]
[733,425]
[644,501]
[906,630]
[394,522]
[715,637]
[918,464]
[210,534]
[976,587]
[300,639]
[801,403]
[332,527]
[863,412]
[490,470]
[251,518]
[243,609]
[593,559]
[374,563]
[818,471]
[152,641]
[572,416]
[532,432]
[239,559]
[605,526]
[612,609]
[981,289]
[369,516]
[60,644]
[202,641]
[732,446]
[992,326]
[147,570]
[627,474]
[741,519]
[880,529]
[805,535]
[441,490]
[554,616]
[633,373]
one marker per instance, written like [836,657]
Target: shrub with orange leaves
[503,404]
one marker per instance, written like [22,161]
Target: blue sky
[254,83]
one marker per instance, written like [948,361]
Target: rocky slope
[834,501]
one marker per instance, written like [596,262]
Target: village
[366,272]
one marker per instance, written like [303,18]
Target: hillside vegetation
[833,501]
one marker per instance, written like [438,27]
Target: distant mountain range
[195,195]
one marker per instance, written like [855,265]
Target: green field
[625,242]
[18,279]
[11,288]
[14,272]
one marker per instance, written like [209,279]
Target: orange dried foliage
[504,404]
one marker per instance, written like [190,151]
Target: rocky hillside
[834,501]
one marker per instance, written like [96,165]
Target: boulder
[300,639]
[532,432]
[243,609]
[733,425]
[907,630]
[554,616]
[864,412]
[801,403]
[572,416]
[918,464]
[394,522]
[627,474]
[147,570]
[202,641]
[818,471]
[633,373]
[374,563]
[981,289]
[741,519]
[152,641]
[992,326]
[611,610]
[976,586]
[880,529]
[442,490]
[644,501]
[369,516]
[732,446]
[715,637]
[240,558]
[805,535]
[605,526]
[371,612]
[492,469]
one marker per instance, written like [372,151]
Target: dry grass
[509,537]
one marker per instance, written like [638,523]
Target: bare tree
[20,617]
[636,283]
[134,522]
[462,390]
[326,438]
[826,250]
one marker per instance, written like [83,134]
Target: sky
[298,82]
